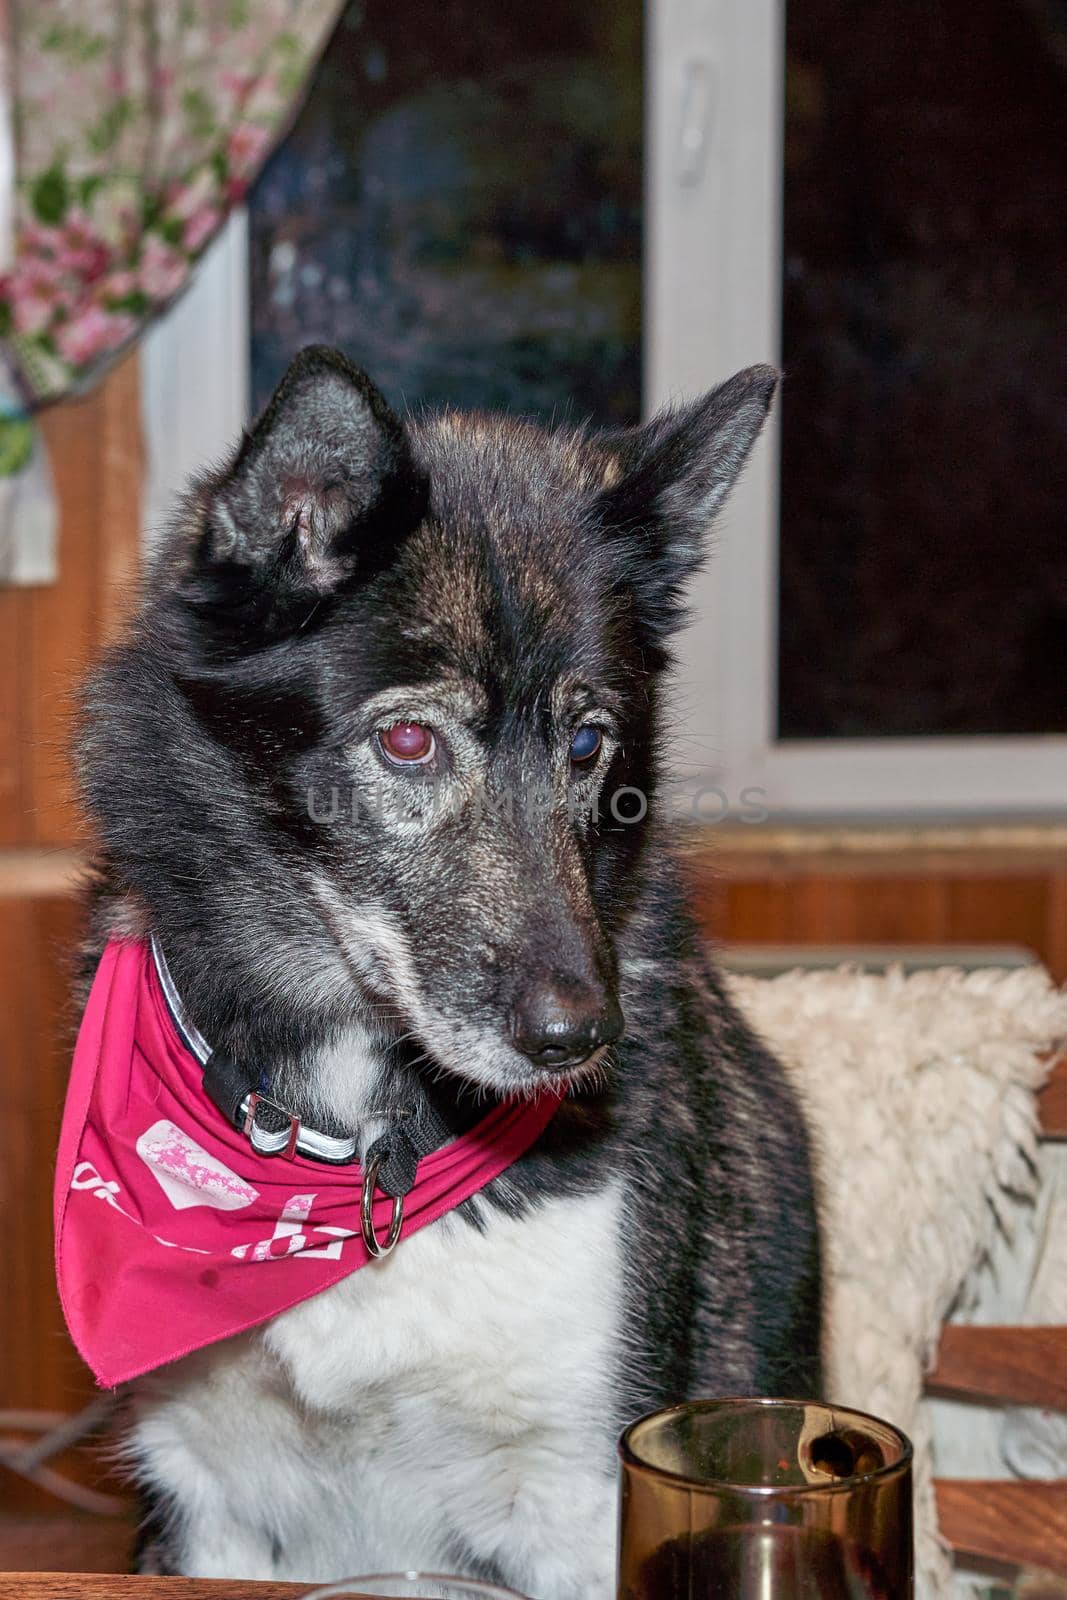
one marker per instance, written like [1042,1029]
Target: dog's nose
[558,1022]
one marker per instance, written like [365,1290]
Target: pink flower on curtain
[33,297]
[246,147]
[200,227]
[90,333]
[162,269]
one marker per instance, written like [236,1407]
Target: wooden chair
[1004,1527]
[1014,1525]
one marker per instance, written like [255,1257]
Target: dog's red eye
[408,744]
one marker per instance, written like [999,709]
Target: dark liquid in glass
[757,1563]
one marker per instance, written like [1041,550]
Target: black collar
[243,1096]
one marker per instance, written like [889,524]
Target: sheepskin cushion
[920,1094]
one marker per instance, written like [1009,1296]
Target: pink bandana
[171,1232]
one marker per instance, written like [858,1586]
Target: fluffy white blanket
[920,1091]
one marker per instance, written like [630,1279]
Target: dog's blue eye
[586,743]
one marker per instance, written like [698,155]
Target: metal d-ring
[366,1213]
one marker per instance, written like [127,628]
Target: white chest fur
[450,1406]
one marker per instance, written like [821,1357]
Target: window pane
[459,208]
[923,550]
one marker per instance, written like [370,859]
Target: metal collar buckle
[378,1247]
[249,1129]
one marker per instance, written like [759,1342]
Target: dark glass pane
[459,207]
[924,476]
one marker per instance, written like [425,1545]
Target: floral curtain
[136,125]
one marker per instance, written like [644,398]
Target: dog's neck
[352,1084]
[355,1086]
[342,1084]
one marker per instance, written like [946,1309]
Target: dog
[435,618]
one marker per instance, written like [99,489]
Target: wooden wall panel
[38,1365]
[747,895]
[51,634]
[14,631]
[37,935]
[1056,939]
[53,631]
[828,910]
[978,909]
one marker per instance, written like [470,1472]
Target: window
[458,207]
[884,628]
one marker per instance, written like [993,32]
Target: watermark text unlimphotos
[433,800]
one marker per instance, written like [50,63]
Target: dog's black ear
[321,489]
[669,479]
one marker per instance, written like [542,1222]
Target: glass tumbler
[764,1500]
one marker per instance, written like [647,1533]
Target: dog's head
[382,742]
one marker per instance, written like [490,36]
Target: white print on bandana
[293,1234]
[85,1176]
[188,1174]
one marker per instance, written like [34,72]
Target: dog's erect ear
[320,490]
[670,479]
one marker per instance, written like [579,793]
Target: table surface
[98,1586]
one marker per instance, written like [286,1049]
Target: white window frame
[715,74]
[713,287]
[195,377]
